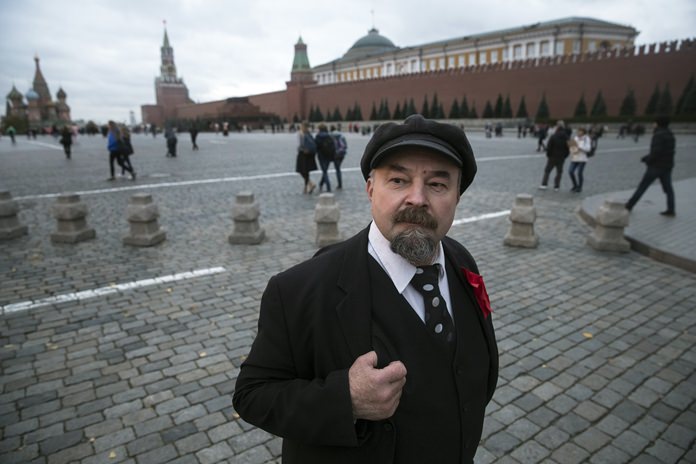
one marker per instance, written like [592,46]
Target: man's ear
[368,187]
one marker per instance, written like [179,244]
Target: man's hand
[375,393]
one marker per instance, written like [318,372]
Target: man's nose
[417,195]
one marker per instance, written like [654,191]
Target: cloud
[106,54]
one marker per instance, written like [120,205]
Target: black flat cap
[416,131]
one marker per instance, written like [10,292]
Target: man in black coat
[659,164]
[358,357]
[556,153]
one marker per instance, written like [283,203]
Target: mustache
[417,216]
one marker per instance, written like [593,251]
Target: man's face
[414,189]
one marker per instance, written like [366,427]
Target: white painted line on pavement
[85,294]
[480,217]
[47,145]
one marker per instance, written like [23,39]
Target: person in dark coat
[659,164]
[66,140]
[306,153]
[556,153]
[326,152]
[359,357]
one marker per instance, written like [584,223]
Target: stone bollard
[9,223]
[70,213]
[522,217]
[245,214]
[142,215]
[326,215]
[608,233]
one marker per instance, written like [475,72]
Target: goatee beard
[414,245]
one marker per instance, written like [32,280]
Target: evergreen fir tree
[543,110]
[651,107]
[488,110]
[397,111]
[337,115]
[498,110]
[581,108]
[349,115]
[507,108]
[435,107]
[454,110]
[373,113]
[317,115]
[680,103]
[628,105]
[599,108]
[464,108]
[411,108]
[472,112]
[522,109]
[689,105]
[426,110]
[664,105]
[357,112]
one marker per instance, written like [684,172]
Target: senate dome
[370,44]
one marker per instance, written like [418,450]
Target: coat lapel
[355,310]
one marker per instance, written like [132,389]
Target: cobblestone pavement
[113,354]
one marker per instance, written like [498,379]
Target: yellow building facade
[374,55]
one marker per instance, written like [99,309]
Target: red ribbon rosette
[476,282]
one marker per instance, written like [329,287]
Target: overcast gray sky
[105,53]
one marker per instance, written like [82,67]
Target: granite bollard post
[9,223]
[142,214]
[245,214]
[608,233]
[70,213]
[522,217]
[326,215]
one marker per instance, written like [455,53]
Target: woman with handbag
[305,162]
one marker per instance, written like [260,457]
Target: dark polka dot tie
[437,319]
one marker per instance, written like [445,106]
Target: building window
[592,46]
[494,56]
[517,52]
[559,48]
[577,46]
[482,57]
[451,62]
[545,48]
[472,59]
[531,50]
[506,54]
[414,66]
[388,71]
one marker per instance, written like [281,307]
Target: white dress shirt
[401,271]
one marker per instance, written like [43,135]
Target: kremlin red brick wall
[563,80]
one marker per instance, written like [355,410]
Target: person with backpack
[326,152]
[556,153]
[341,149]
[305,162]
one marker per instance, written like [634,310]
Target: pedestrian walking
[541,133]
[114,144]
[126,152]
[658,165]
[556,153]
[381,348]
[580,145]
[194,134]
[171,139]
[305,162]
[12,132]
[341,151]
[326,152]
[66,140]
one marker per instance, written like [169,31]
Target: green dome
[370,44]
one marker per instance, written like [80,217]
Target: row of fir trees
[661,102]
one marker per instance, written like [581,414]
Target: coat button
[388,427]
[460,371]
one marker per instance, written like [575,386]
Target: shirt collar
[399,270]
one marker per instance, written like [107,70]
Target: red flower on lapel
[476,282]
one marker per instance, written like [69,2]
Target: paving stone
[144,444]
[160,455]
[570,454]
[216,453]
[530,451]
